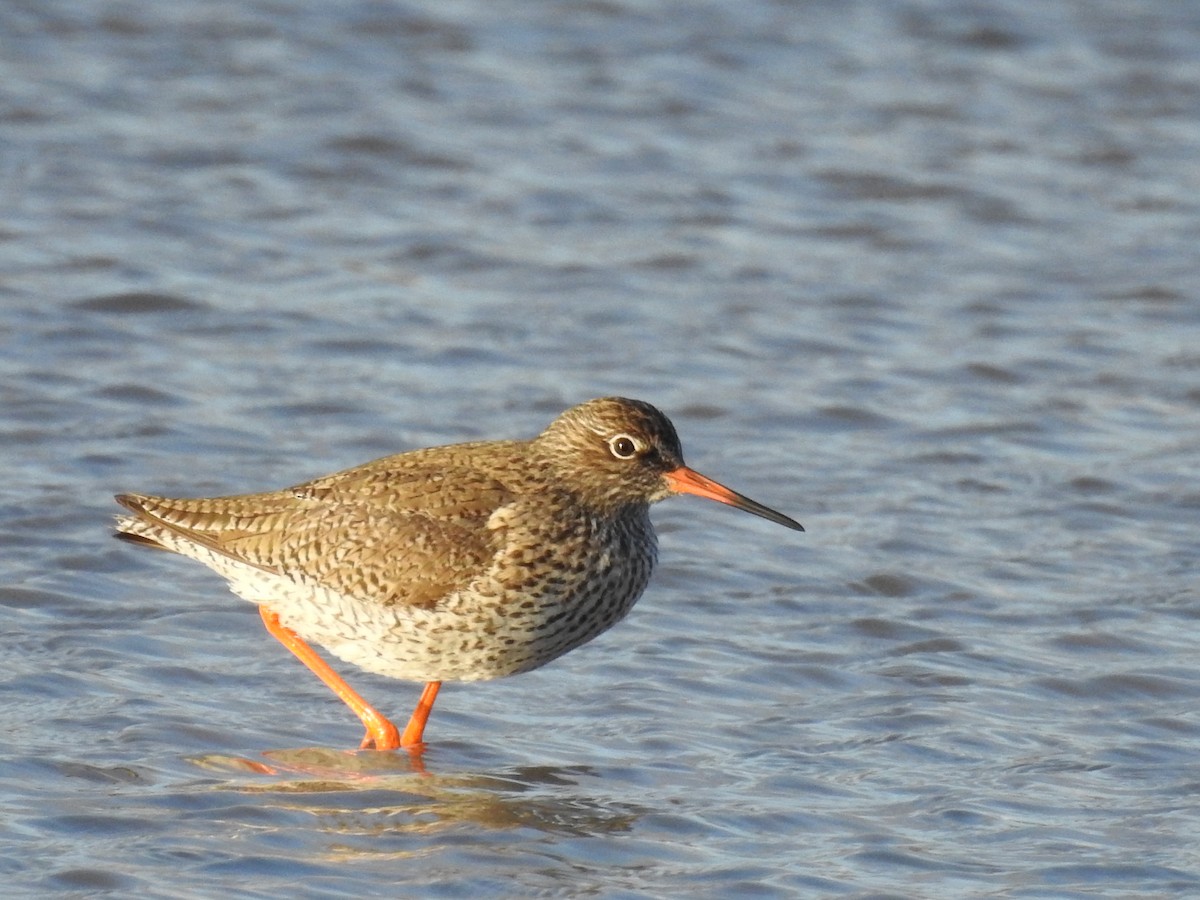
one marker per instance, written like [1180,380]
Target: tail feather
[148,528]
[140,539]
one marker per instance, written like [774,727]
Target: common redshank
[456,563]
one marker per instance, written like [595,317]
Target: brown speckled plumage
[460,563]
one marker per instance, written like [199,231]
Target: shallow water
[920,274]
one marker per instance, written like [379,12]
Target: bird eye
[622,446]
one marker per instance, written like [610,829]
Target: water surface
[921,274]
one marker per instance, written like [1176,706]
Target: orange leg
[380,732]
[416,724]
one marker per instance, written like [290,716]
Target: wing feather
[401,530]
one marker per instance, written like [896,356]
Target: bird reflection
[362,793]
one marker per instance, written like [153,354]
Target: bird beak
[688,481]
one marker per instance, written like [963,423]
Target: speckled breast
[553,585]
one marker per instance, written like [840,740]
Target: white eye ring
[622,446]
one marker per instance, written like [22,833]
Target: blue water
[920,274]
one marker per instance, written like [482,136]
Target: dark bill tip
[688,481]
